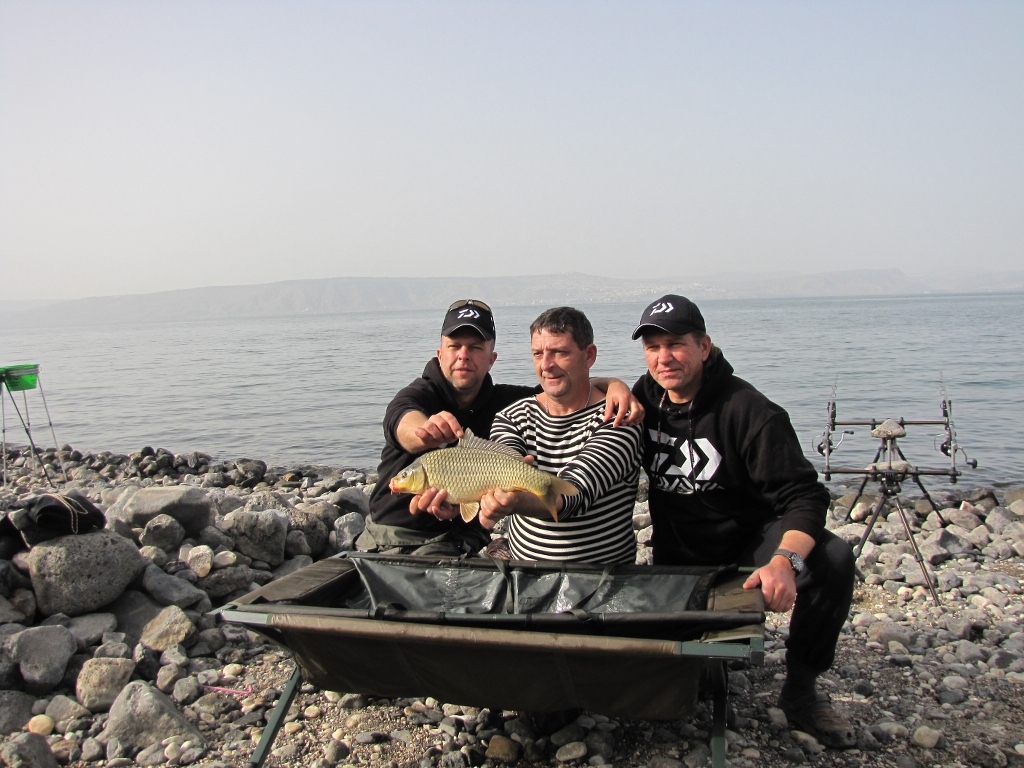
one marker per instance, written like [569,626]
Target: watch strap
[795,560]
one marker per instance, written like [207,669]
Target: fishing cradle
[626,641]
[22,378]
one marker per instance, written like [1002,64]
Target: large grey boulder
[168,628]
[222,502]
[351,500]
[224,581]
[213,537]
[61,709]
[88,629]
[260,534]
[324,510]
[27,750]
[250,472]
[263,500]
[346,530]
[101,681]
[42,654]
[170,590]
[134,610]
[10,675]
[78,574]
[186,504]
[162,532]
[142,715]
[15,710]
[948,541]
[312,528]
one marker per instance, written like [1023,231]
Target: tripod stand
[892,469]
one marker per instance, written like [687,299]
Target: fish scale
[468,473]
[475,467]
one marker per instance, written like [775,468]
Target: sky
[158,146]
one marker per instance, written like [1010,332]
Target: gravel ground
[925,685]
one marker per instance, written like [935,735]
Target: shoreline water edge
[111,652]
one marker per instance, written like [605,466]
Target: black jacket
[430,394]
[747,469]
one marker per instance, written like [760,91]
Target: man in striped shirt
[563,427]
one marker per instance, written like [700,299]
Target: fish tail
[557,487]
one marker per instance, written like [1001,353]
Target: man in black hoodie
[729,484]
[454,393]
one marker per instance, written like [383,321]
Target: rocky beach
[112,653]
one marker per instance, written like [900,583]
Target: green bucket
[19,377]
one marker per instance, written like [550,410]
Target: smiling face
[465,360]
[563,369]
[677,362]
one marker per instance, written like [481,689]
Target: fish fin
[558,487]
[468,510]
[472,441]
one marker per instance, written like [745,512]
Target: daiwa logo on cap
[665,306]
[467,312]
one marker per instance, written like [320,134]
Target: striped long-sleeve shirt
[596,525]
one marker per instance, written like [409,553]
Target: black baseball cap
[672,314]
[469,313]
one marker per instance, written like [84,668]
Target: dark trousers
[824,592]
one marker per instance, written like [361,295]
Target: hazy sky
[148,146]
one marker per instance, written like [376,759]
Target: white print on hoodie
[672,468]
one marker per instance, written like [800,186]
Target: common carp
[474,467]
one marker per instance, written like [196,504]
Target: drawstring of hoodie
[689,442]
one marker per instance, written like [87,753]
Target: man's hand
[495,505]
[619,402]
[434,502]
[417,432]
[777,582]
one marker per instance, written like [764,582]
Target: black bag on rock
[52,515]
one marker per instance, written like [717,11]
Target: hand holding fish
[418,432]
[434,501]
[473,469]
[497,504]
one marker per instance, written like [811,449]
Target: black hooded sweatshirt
[431,394]
[721,467]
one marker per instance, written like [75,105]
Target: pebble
[927,737]
[41,724]
[503,749]
[574,750]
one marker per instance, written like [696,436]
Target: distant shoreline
[329,296]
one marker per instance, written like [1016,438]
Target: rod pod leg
[276,719]
[917,551]
[871,524]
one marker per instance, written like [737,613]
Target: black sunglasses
[469,303]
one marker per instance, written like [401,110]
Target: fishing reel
[949,447]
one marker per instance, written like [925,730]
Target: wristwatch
[794,559]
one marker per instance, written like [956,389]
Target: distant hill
[363,294]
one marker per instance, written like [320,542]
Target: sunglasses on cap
[469,303]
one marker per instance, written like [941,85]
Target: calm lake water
[314,389]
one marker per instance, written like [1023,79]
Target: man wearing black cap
[454,393]
[729,484]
